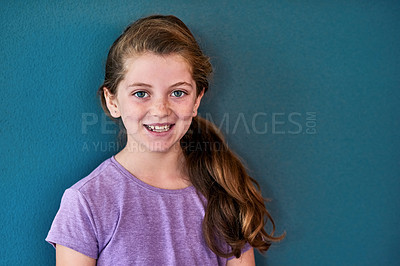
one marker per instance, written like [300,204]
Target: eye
[141,94]
[178,93]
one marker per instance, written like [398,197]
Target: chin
[161,147]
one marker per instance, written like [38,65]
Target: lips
[159,128]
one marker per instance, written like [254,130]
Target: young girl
[175,194]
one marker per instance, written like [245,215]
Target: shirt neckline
[124,171]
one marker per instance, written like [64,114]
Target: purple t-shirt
[117,219]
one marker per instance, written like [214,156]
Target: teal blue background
[307,92]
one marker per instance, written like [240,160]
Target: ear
[112,103]
[197,103]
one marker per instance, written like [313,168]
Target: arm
[66,256]
[246,259]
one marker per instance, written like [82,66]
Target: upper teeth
[159,128]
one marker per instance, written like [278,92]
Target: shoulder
[107,179]
[102,188]
[91,207]
[97,189]
[104,173]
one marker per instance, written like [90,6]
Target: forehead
[150,67]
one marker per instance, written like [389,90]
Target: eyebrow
[140,84]
[180,84]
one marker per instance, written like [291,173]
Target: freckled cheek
[132,120]
[185,113]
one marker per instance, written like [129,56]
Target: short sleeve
[74,226]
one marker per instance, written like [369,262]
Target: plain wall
[307,93]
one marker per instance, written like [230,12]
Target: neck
[158,169]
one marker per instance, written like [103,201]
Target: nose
[160,107]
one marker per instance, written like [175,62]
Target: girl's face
[156,101]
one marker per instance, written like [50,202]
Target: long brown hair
[235,210]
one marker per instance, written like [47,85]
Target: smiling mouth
[159,128]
